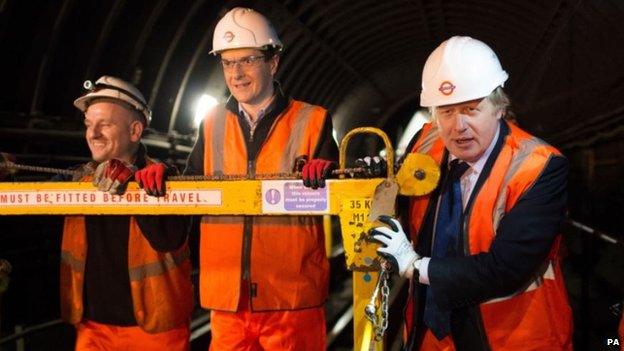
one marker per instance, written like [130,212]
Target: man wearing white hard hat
[484,265]
[125,280]
[265,279]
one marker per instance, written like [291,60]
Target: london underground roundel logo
[228,36]
[446,88]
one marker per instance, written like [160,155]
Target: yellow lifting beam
[352,200]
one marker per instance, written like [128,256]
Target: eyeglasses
[244,62]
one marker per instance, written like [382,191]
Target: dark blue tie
[445,242]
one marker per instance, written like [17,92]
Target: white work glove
[113,175]
[396,248]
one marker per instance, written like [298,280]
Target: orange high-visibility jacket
[538,317]
[282,258]
[160,282]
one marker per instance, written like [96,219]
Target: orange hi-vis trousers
[300,330]
[94,336]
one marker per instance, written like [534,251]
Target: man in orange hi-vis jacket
[265,279]
[125,280]
[484,267]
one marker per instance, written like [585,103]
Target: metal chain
[265,176]
[371,311]
[385,298]
[11,165]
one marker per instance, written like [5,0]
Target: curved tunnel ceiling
[360,59]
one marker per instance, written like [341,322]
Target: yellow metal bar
[363,286]
[350,199]
[329,240]
[237,197]
[360,254]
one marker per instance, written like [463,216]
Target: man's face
[250,84]
[111,131]
[468,128]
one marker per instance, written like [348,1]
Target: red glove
[316,171]
[113,176]
[152,179]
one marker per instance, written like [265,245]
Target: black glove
[395,248]
[373,167]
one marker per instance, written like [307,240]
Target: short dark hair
[270,51]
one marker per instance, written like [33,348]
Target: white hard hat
[459,70]
[243,28]
[114,88]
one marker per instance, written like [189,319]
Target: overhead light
[415,124]
[204,104]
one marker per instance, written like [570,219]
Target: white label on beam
[290,196]
[99,198]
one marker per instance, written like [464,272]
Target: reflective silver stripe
[296,138]
[170,261]
[217,137]
[549,273]
[429,140]
[525,150]
[75,264]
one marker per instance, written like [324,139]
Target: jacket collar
[278,105]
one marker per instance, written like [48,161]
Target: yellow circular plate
[419,175]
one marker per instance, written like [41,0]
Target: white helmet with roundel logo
[243,28]
[459,70]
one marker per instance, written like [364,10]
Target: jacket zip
[248,222]
[247,231]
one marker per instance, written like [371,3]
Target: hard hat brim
[82,103]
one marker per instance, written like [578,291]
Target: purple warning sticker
[290,196]
[272,196]
[299,198]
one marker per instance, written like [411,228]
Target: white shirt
[469,179]
[467,182]
[261,113]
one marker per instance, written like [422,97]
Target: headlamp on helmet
[118,89]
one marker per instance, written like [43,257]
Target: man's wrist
[413,268]
[416,269]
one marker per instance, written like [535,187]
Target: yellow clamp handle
[367,130]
